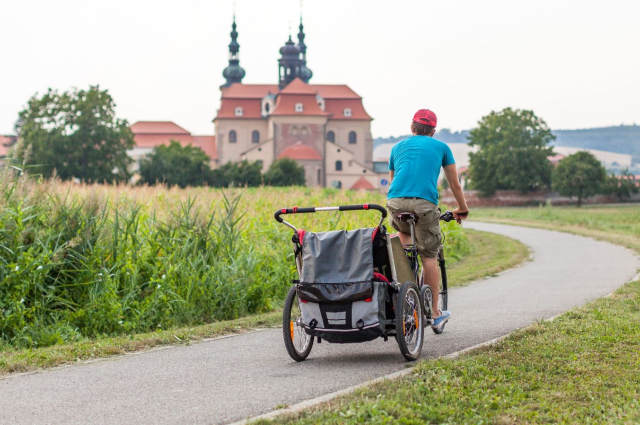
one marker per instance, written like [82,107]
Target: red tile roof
[336,108]
[362,183]
[335,91]
[207,144]
[338,98]
[249,91]
[149,134]
[301,152]
[286,105]
[157,127]
[298,86]
[258,91]
[251,108]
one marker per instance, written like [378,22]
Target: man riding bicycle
[414,167]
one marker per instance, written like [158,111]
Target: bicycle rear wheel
[297,342]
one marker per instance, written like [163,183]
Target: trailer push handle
[297,210]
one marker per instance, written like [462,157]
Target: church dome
[290,49]
[305,74]
[233,73]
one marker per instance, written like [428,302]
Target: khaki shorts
[428,236]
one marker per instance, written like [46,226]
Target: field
[81,261]
[616,224]
[582,367]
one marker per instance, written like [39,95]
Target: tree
[581,175]
[622,185]
[242,173]
[76,134]
[176,165]
[285,172]
[514,146]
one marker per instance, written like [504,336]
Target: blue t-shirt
[416,163]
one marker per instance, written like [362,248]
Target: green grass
[619,224]
[489,254]
[581,368]
[14,360]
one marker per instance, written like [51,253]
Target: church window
[304,131]
[331,136]
[259,162]
[239,111]
[353,138]
[299,107]
[266,107]
[346,112]
[255,136]
[233,136]
[319,176]
[338,165]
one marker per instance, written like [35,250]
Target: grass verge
[582,368]
[15,360]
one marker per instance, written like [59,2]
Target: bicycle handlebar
[447,216]
[297,210]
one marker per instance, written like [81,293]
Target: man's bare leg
[430,274]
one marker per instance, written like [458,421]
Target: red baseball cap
[425,116]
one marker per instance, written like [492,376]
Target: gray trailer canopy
[339,256]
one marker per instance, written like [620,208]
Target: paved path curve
[229,379]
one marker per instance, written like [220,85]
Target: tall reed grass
[79,260]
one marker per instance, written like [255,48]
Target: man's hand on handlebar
[460,215]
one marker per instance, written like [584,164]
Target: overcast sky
[575,63]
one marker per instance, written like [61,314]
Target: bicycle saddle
[405,216]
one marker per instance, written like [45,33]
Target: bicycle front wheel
[443,299]
[297,342]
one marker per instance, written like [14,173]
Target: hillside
[620,139]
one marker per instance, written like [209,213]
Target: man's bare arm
[451,174]
[390,176]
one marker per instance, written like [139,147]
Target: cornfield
[80,261]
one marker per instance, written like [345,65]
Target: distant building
[150,134]
[556,158]
[325,128]
[5,143]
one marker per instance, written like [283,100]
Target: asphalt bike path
[229,379]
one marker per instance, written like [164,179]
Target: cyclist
[414,167]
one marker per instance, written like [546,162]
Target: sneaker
[438,322]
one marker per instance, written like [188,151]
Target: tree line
[514,151]
[76,135]
[177,165]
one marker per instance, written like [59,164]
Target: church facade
[325,128]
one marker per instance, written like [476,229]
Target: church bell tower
[233,73]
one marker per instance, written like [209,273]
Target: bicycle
[425,290]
